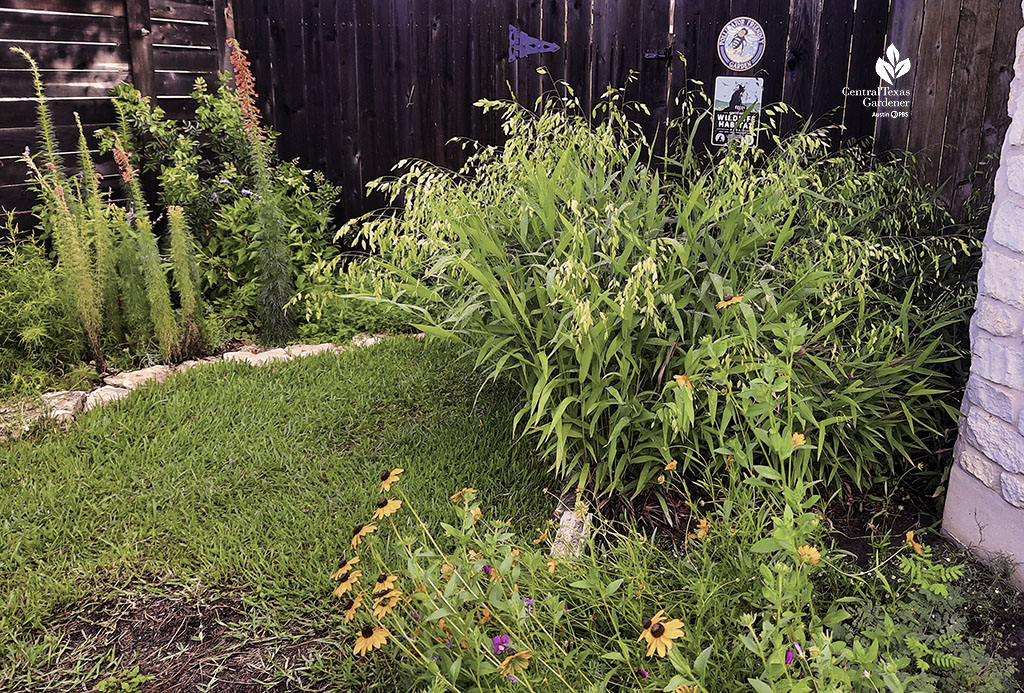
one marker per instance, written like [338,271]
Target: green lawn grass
[248,479]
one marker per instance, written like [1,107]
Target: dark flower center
[385,474]
[382,577]
[728,297]
[347,604]
[345,576]
[367,632]
[380,594]
[647,624]
[382,502]
[657,630]
[356,529]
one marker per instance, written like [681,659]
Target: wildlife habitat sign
[737,109]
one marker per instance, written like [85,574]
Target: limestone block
[300,350]
[1013,489]
[1002,276]
[105,395]
[70,401]
[133,380]
[982,468]
[1007,225]
[998,441]
[997,318]
[993,398]
[998,359]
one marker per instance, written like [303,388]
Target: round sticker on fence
[741,43]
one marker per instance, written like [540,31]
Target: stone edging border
[67,405]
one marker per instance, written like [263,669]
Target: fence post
[224,22]
[140,44]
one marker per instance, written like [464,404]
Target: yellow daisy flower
[552,563]
[659,634]
[809,554]
[799,439]
[457,496]
[347,566]
[388,478]
[671,466]
[386,603]
[661,478]
[916,545]
[477,514]
[349,606]
[386,507]
[360,531]
[683,381]
[515,663]
[543,537]
[384,582]
[729,300]
[369,639]
[348,581]
[485,616]
[703,527]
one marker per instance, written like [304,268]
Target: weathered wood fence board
[354,85]
[86,47]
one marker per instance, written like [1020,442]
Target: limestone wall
[985,501]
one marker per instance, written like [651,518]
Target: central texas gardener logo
[890,67]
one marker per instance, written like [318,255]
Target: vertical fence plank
[351,136]
[866,46]
[996,120]
[654,72]
[553,28]
[801,59]
[527,79]
[830,73]
[224,25]
[314,97]
[968,91]
[931,87]
[140,42]
[578,49]
[906,21]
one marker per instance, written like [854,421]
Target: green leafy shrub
[760,309]
[184,267]
[40,334]
[756,600]
[218,168]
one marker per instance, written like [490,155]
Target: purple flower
[799,650]
[790,656]
[416,616]
[529,603]
[27,152]
[643,673]
[487,570]
[214,196]
[79,175]
[246,192]
[225,181]
[513,679]
[500,643]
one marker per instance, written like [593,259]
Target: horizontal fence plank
[23,26]
[108,7]
[14,140]
[181,83]
[184,59]
[65,56]
[18,114]
[18,83]
[15,172]
[181,11]
[182,34]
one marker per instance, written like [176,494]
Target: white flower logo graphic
[894,67]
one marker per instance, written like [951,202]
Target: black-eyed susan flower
[389,477]
[345,567]
[386,603]
[348,581]
[703,527]
[683,381]
[552,564]
[477,514]
[659,634]
[384,582]
[799,439]
[671,466]
[349,606]
[386,507]
[457,496]
[360,531]
[485,616]
[729,300]
[916,545]
[515,663]
[369,639]
[809,554]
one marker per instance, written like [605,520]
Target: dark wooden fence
[86,47]
[356,85]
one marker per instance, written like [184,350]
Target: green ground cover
[243,479]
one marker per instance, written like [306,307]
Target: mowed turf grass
[250,479]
